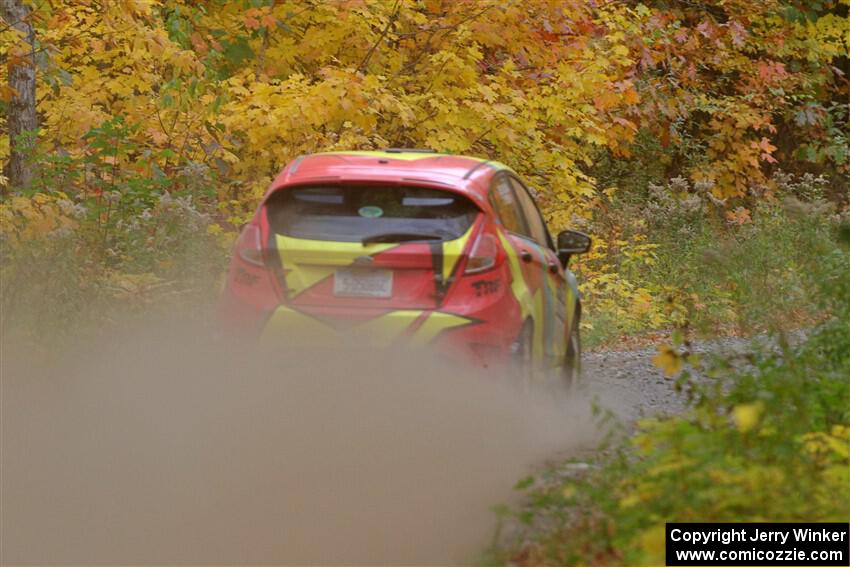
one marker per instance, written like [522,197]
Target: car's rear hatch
[368,245]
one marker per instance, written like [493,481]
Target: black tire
[523,353]
[572,359]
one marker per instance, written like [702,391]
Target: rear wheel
[572,359]
[523,354]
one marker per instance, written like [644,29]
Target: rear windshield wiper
[399,237]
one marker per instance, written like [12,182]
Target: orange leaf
[7,92]
[739,216]
[252,23]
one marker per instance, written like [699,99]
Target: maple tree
[245,86]
[752,83]
[140,104]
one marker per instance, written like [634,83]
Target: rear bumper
[475,339]
[375,328]
[481,323]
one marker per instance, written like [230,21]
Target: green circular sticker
[371,212]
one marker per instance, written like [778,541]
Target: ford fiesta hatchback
[407,247]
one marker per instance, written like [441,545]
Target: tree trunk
[21,118]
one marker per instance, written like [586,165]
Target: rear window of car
[352,213]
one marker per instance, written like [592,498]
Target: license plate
[363,283]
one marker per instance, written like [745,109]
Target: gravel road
[628,384]
[152,448]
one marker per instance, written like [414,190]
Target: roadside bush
[766,438]
[682,255]
[105,228]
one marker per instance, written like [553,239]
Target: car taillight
[249,246]
[483,255]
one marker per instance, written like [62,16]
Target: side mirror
[572,242]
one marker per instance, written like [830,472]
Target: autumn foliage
[206,101]
[703,143]
[245,86]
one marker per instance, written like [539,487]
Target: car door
[525,240]
[554,287]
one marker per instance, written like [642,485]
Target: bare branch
[384,32]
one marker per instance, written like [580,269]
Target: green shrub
[105,229]
[766,438]
[680,250]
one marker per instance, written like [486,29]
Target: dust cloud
[157,445]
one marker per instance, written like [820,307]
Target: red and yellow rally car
[407,246]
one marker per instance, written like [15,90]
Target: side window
[507,208]
[536,225]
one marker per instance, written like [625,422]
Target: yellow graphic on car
[531,305]
[307,262]
[380,331]
[400,155]
[452,251]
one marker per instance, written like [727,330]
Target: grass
[679,260]
[766,436]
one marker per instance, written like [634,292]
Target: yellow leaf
[746,416]
[633,499]
[652,541]
[668,360]
[621,50]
